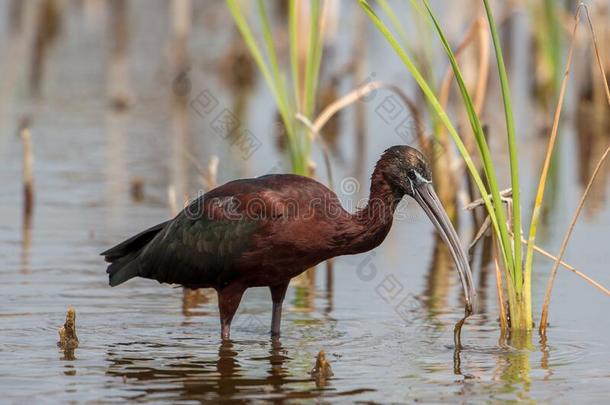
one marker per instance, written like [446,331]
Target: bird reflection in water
[193,299]
[228,368]
[199,377]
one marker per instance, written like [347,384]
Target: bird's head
[406,169]
[408,172]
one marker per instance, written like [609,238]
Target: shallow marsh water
[385,323]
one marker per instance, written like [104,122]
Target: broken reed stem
[363,91]
[28,172]
[564,244]
[506,193]
[352,97]
[67,333]
[343,102]
[571,268]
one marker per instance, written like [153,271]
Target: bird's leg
[228,301]
[278,293]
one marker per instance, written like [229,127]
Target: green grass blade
[293,23]
[313,60]
[512,149]
[279,83]
[275,87]
[395,23]
[248,37]
[554,41]
[312,67]
[271,54]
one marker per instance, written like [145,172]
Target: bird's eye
[412,175]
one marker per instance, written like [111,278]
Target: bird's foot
[225,332]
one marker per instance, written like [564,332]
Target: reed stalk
[301,98]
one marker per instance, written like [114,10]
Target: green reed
[519,279]
[301,97]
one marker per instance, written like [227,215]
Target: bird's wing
[202,244]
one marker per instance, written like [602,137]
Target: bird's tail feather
[123,258]
[122,270]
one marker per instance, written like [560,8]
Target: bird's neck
[370,225]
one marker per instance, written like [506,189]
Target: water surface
[386,319]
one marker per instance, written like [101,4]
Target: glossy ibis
[264,231]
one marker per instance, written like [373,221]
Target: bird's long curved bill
[427,198]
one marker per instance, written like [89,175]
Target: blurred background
[127,109]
